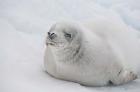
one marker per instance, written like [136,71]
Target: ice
[23,27]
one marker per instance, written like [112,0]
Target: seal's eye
[67,35]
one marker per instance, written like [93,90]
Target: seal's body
[77,54]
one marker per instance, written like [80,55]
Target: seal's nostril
[52,34]
[49,33]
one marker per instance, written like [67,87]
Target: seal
[75,53]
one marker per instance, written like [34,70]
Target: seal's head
[61,35]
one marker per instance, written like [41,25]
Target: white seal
[75,53]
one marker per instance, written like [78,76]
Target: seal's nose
[51,35]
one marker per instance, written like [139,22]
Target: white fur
[100,59]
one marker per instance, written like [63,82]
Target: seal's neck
[69,54]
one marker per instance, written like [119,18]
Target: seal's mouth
[49,43]
[53,43]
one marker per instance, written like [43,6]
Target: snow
[23,25]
